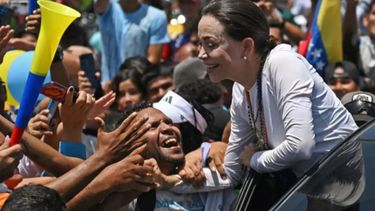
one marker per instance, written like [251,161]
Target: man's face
[341,86]
[158,87]
[164,139]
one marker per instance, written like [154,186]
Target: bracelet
[72,149]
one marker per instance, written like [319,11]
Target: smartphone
[88,65]
[52,108]
[57,91]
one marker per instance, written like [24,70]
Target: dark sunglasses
[358,106]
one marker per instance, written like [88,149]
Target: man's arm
[154,53]
[41,153]
[125,176]
[111,147]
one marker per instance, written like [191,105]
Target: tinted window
[344,180]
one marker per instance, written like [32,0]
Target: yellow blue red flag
[325,45]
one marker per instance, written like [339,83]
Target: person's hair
[192,138]
[74,35]
[203,91]
[156,70]
[139,62]
[35,198]
[131,74]
[241,19]
[116,118]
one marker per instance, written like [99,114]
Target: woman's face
[129,95]
[220,53]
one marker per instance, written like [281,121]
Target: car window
[343,180]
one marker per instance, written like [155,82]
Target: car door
[343,180]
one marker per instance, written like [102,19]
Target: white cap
[179,110]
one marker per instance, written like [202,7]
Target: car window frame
[319,165]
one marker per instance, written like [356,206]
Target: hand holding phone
[87,64]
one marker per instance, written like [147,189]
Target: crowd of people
[188,101]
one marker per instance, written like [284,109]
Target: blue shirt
[129,34]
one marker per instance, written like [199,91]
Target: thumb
[139,150]
[100,122]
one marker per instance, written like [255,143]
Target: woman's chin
[215,78]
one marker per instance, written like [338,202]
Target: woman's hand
[247,154]
[38,125]
[129,136]
[192,171]
[215,158]
[162,180]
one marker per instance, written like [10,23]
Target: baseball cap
[348,70]
[361,105]
[187,71]
[179,110]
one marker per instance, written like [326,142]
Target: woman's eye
[211,45]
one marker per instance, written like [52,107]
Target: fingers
[137,149]
[126,122]
[69,96]
[12,154]
[5,35]
[137,186]
[84,82]
[5,144]
[101,124]
[33,22]
[137,133]
[220,167]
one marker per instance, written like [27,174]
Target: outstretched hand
[129,136]
[102,105]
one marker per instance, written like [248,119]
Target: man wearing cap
[342,77]
[361,105]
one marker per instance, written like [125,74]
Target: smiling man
[167,157]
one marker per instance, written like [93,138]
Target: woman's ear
[248,47]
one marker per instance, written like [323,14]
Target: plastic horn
[55,19]
[32,6]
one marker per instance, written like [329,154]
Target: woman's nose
[202,54]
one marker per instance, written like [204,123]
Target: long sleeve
[289,80]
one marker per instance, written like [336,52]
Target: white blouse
[304,118]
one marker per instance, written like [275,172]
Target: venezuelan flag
[325,45]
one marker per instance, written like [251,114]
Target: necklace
[260,133]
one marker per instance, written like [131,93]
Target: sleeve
[72,149]
[158,29]
[293,96]
[106,19]
[240,136]
[213,182]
